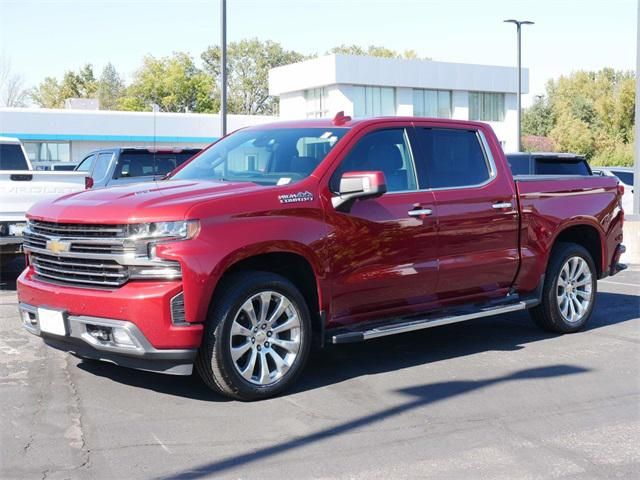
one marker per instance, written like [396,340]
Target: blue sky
[45,38]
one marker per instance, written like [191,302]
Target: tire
[236,348]
[567,309]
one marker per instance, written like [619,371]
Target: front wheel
[257,337]
[569,291]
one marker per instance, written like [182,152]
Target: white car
[21,187]
[625,175]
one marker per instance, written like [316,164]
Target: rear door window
[561,166]
[625,177]
[12,158]
[102,166]
[451,158]
[86,165]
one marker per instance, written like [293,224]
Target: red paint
[375,261]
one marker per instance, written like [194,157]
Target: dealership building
[320,87]
[368,86]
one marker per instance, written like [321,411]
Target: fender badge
[296,197]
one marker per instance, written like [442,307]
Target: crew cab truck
[116,166]
[20,188]
[283,236]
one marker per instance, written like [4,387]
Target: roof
[394,72]
[9,140]
[548,155]
[328,122]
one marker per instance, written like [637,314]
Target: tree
[591,113]
[12,92]
[249,62]
[374,51]
[110,88]
[52,94]
[538,119]
[173,83]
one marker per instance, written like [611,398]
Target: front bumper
[140,354]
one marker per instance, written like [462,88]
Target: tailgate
[20,189]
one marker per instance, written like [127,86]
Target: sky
[47,37]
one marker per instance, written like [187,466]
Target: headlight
[178,230]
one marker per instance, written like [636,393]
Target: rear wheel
[257,337]
[569,291]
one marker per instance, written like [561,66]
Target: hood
[137,203]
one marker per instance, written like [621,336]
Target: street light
[223,68]
[518,24]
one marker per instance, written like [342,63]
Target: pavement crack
[75,433]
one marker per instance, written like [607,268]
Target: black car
[547,163]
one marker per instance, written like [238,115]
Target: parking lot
[493,398]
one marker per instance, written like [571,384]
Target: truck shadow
[416,397]
[336,364]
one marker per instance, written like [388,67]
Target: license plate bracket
[52,321]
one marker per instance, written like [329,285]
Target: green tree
[173,83]
[52,94]
[110,88]
[591,113]
[538,119]
[248,65]
[374,51]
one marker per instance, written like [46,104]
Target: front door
[383,252]
[477,213]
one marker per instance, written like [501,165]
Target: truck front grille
[78,271]
[91,256]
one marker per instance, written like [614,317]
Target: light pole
[519,24]
[223,67]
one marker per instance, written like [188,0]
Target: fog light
[121,337]
[100,333]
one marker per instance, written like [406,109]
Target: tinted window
[625,177]
[12,158]
[450,158]
[86,165]
[102,165]
[519,164]
[266,156]
[561,166]
[385,150]
[144,163]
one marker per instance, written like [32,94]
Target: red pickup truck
[284,236]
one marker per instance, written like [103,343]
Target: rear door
[476,213]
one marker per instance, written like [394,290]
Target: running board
[399,326]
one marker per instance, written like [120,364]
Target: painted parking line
[620,283]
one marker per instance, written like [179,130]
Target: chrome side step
[398,326]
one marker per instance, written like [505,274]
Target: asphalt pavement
[493,398]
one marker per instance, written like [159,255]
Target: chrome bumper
[140,355]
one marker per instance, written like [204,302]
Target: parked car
[279,236]
[21,187]
[116,166]
[625,175]
[547,163]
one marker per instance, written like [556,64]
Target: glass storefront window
[48,151]
[371,101]
[486,106]
[432,103]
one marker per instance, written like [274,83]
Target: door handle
[420,212]
[501,205]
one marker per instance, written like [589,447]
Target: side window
[451,158]
[86,165]
[384,150]
[102,166]
[519,164]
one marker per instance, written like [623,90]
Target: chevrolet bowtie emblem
[58,246]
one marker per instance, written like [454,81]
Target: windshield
[273,156]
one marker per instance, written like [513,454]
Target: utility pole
[223,68]
[636,175]
[519,24]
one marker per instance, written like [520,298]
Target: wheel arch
[587,235]
[296,264]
